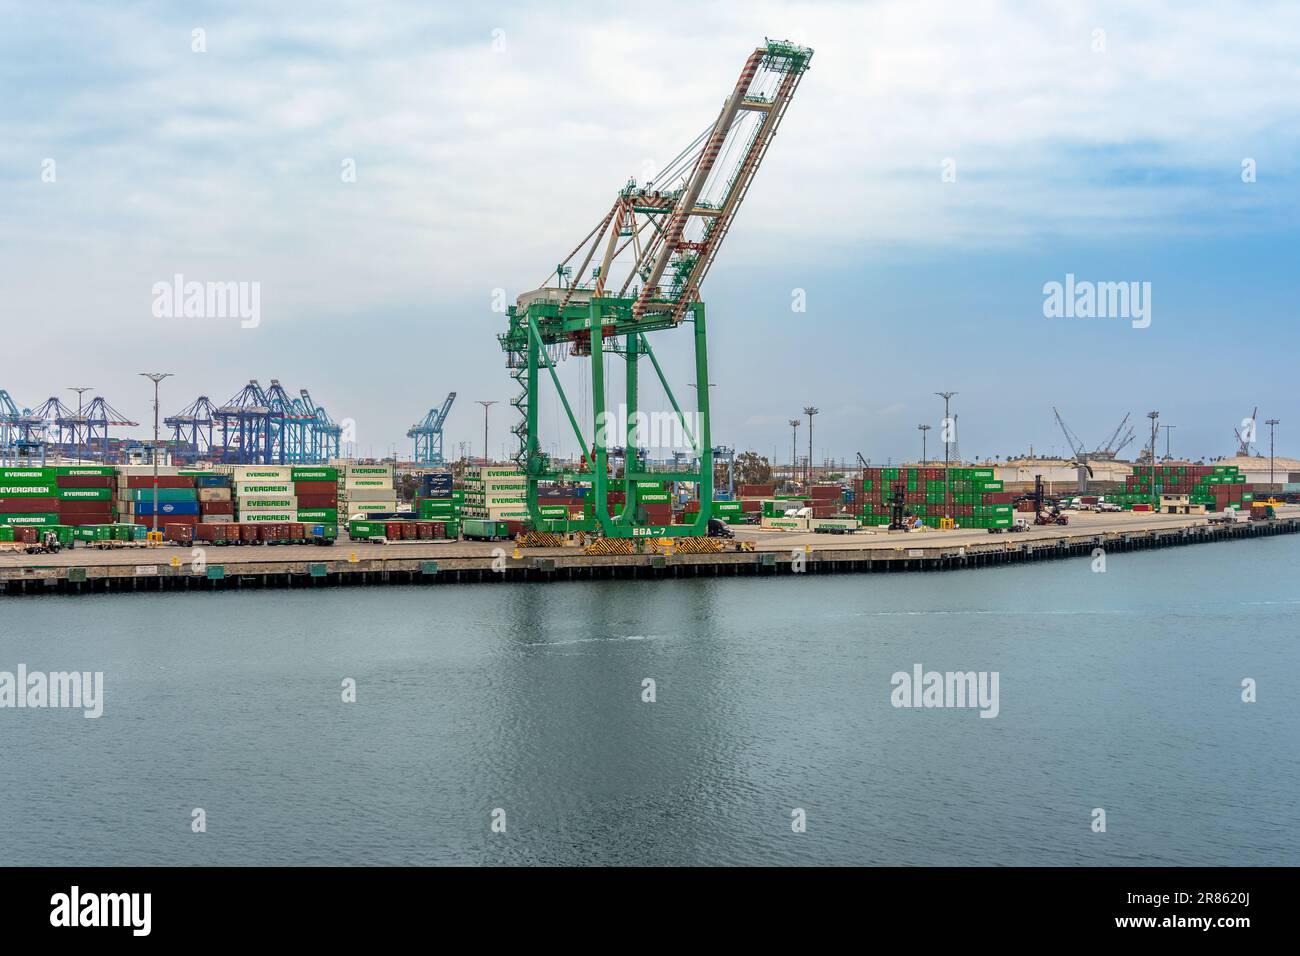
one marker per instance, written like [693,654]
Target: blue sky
[488,141]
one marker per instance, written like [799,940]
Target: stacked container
[1215,487]
[264,494]
[366,489]
[972,497]
[496,493]
[86,494]
[28,497]
[177,499]
[216,497]
[317,489]
[439,502]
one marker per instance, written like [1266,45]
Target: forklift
[1042,514]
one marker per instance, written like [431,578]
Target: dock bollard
[352,558]
[518,554]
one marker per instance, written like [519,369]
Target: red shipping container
[409,531]
[438,529]
[824,511]
[516,527]
[301,488]
[164,481]
[423,531]
[25,535]
[180,533]
[23,506]
[217,507]
[213,533]
[322,501]
[84,481]
[247,533]
[147,520]
[296,531]
[826,491]
[393,530]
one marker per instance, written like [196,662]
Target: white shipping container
[268,503]
[214,494]
[385,483]
[366,507]
[217,519]
[255,489]
[368,494]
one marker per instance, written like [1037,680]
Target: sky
[940,165]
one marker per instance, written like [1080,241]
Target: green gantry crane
[652,249]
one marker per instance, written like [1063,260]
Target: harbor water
[773,735]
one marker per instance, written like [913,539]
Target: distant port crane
[1245,441]
[647,259]
[1104,452]
[427,433]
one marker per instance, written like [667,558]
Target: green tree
[752,469]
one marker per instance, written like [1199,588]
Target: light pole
[1270,423]
[1155,417]
[155,377]
[486,406]
[1168,429]
[794,446]
[80,423]
[947,430]
[810,411]
[923,429]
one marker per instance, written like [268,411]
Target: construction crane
[427,433]
[90,428]
[21,432]
[647,257]
[191,429]
[1245,441]
[326,434]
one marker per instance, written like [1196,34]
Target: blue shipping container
[168,508]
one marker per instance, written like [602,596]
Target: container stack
[216,497]
[496,493]
[317,489]
[86,494]
[438,501]
[177,500]
[265,494]
[366,489]
[28,497]
[1216,487]
[972,497]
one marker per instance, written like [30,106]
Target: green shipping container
[26,475]
[85,494]
[319,516]
[29,520]
[314,474]
[83,471]
[23,488]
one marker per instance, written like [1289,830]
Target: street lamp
[794,446]
[947,430]
[155,377]
[810,411]
[1270,423]
[923,429]
[1168,429]
[486,406]
[80,423]
[1155,417]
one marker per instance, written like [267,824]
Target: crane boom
[651,252]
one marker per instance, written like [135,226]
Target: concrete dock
[169,567]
